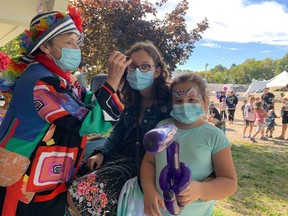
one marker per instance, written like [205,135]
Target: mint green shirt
[197,146]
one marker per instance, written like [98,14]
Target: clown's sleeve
[61,106]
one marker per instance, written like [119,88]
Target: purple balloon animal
[175,176]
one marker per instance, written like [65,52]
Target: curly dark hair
[160,87]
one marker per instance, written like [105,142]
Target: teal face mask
[70,59]
[187,113]
[138,80]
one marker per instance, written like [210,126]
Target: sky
[238,30]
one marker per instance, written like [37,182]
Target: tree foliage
[116,25]
[245,72]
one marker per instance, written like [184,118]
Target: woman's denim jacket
[127,123]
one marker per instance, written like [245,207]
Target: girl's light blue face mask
[187,113]
[70,59]
[139,80]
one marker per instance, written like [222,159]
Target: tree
[218,77]
[116,25]
[281,64]
[218,68]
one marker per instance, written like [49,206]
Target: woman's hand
[95,161]
[152,201]
[117,64]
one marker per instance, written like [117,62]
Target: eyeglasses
[144,68]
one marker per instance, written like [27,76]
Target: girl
[249,116]
[222,96]
[202,146]
[216,118]
[270,121]
[145,95]
[261,114]
[223,108]
[213,110]
[242,110]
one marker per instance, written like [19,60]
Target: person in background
[145,94]
[267,98]
[257,99]
[223,108]
[284,114]
[203,147]
[43,134]
[270,121]
[261,114]
[231,102]
[80,74]
[249,116]
[222,96]
[242,110]
[215,115]
[213,110]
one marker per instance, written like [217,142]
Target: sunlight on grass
[262,172]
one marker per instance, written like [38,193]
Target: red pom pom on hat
[4,61]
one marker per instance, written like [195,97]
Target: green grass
[262,172]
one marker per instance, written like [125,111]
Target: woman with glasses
[146,97]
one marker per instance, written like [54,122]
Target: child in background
[270,121]
[249,116]
[261,114]
[213,110]
[216,118]
[223,108]
[203,147]
[242,110]
[231,101]
[222,96]
[284,115]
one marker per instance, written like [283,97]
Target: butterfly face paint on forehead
[189,92]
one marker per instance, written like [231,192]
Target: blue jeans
[91,145]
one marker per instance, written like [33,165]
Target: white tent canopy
[279,80]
